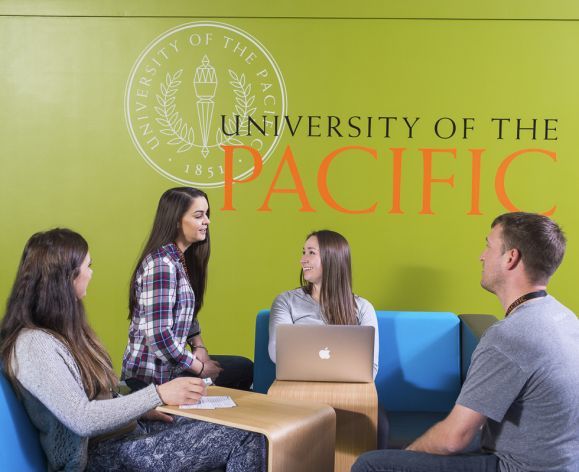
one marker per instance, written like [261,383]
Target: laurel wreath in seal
[181,132]
[173,124]
[243,103]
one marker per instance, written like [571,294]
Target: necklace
[524,298]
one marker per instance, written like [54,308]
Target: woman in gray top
[66,379]
[325,295]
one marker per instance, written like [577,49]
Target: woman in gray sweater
[66,379]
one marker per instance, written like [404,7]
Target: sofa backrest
[419,363]
[20,448]
[472,328]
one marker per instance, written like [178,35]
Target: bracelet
[200,347]
[202,368]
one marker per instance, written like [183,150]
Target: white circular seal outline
[131,85]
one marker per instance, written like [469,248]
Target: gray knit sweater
[57,403]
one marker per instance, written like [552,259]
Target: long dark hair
[43,297]
[173,205]
[337,301]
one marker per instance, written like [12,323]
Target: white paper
[210,403]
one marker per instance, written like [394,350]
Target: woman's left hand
[154,415]
[201,354]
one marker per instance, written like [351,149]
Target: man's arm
[451,435]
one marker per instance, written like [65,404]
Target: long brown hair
[43,297]
[337,301]
[173,205]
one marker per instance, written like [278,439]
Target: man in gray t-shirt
[524,378]
[522,387]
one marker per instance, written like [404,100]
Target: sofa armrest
[263,367]
[472,327]
[20,447]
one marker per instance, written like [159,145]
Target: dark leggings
[183,445]
[237,373]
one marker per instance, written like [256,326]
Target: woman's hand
[201,353]
[212,370]
[154,415]
[182,390]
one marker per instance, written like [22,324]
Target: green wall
[68,158]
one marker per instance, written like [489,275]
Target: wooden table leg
[356,406]
[300,434]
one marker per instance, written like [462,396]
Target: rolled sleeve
[194,331]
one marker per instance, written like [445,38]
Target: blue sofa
[424,357]
[423,360]
[20,448]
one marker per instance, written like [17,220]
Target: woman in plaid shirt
[166,294]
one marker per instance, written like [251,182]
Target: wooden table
[300,434]
[356,406]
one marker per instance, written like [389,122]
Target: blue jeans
[395,460]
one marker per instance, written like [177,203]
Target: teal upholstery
[20,448]
[421,366]
[263,367]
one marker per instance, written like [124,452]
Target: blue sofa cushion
[419,363]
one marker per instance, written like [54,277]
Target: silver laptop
[324,353]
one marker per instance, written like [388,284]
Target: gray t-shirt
[297,307]
[524,377]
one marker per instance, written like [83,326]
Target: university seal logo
[196,88]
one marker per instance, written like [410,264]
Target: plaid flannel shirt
[163,320]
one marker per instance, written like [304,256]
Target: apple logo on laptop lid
[324,353]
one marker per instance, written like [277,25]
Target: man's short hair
[539,240]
